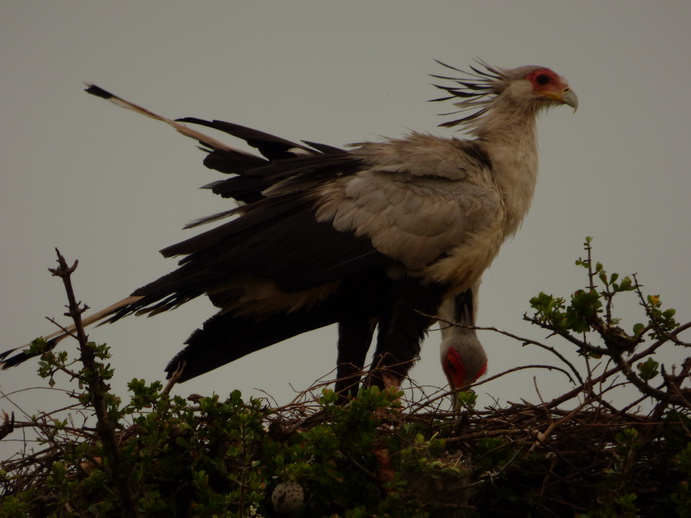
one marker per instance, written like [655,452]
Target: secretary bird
[382,235]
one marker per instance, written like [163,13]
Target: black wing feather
[271,146]
[253,176]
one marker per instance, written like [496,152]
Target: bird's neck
[509,136]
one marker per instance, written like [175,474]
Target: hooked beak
[566,96]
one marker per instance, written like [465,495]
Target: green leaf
[626,284]
[466,399]
[603,277]
[648,369]
[638,329]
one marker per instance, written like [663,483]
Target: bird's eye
[542,79]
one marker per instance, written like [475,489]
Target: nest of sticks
[557,455]
[552,458]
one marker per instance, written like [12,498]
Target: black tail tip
[98,91]
[14,357]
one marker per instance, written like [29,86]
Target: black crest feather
[475,88]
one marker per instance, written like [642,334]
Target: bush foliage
[382,453]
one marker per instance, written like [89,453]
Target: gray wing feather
[414,201]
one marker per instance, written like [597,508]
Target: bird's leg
[401,330]
[354,338]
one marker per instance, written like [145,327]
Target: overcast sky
[110,188]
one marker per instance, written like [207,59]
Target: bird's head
[531,88]
[539,86]
[463,358]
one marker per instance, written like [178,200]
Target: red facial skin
[547,82]
[455,371]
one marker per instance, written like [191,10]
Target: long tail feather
[185,130]
[13,357]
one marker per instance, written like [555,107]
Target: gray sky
[111,188]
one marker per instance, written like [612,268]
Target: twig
[426,403]
[97,389]
[528,341]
